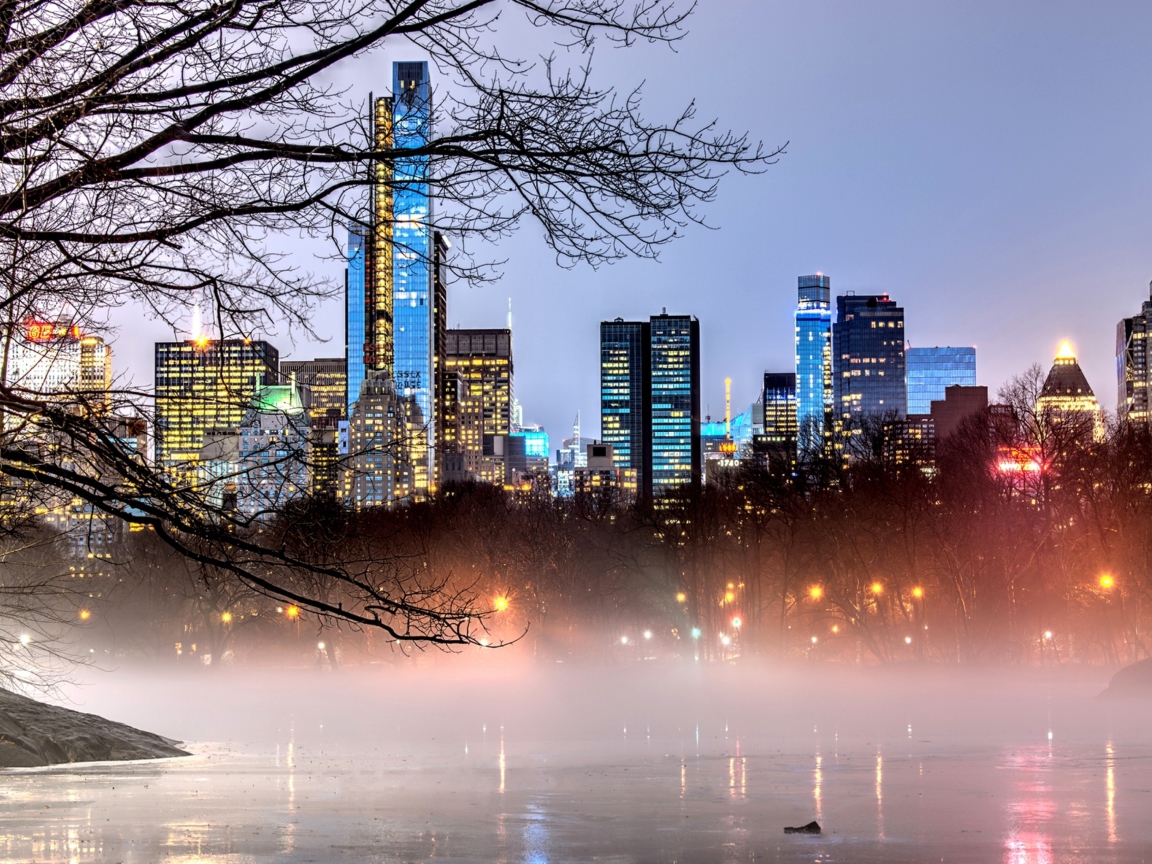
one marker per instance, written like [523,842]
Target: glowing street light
[484,642]
[877,588]
[814,640]
[25,638]
[681,597]
[85,614]
[1047,634]
[320,646]
[695,632]
[835,628]
[907,640]
[816,592]
[736,622]
[917,592]
[293,612]
[623,640]
[500,604]
[729,596]
[725,640]
[647,634]
[226,617]
[1107,582]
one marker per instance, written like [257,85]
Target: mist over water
[489,759]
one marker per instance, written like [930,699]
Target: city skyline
[1001,227]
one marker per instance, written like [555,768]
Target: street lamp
[1107,582]
[816,592]
[695,632]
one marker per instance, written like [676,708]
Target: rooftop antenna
[728,407]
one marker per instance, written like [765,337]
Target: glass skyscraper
[675,402]
[355,331]
[868,360]
[813,360]
[1134,366]
[625,358]
[930,370]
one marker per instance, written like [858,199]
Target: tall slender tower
[1134,366]
[868,360]
[813,361]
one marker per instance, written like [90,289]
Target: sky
[985,163]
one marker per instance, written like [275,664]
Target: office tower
[274,450]
[205,385]
[868,379]
[776,446]
[482,360]
[326,380]
[96,371]
[910,442]
[60,361]
[930,370]
[958,404]
[1067,398]
[378,469]
[1134,366]
[674,403]
[814,361]
[625,375]
[356,328]
[446,384]
[602,481]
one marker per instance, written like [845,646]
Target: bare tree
[151,150]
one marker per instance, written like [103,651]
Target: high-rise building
[96,371]
[868,373]
[814,361]
[675,403]
[205,385]
[1134,366]
[777,444]
[1067,397]
[625,381]
[446,383]
[356,329]
[958,404]
[482,362]
[601,480]
[930,370]
[326,379]
[377,469]
[274,450]
[59,361]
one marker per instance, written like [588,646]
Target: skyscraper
[274,458]
[930,370]
[205,385]
[327,381]
[482,360]
[1067,397]
[675,403]
[625,378]
[356,329]
[1134,366]
[813,361]
[377,470]
[777,445]
[868,360]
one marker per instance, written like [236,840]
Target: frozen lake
[621,764]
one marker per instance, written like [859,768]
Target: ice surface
[621,765]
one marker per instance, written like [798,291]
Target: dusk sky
[985,164]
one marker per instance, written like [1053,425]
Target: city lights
[877,588]
[85,614]
[483,641]
[907,640]
[320,646]
[736,622]
[695,632]
[226,617]
[814,640]
[1107,582]
[917,592]
[681,597]
[25,638]
[500,604]
[623,640]
[1047,634]
[816,592]
[293,612]
[835,628]
[729,597]
[647,634]
[725,640]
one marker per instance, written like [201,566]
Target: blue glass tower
[813,361]
[930,370]
[675,403]
[354,312]
[412,253]
[625,355]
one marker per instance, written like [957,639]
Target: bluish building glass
[675,402]
[354,313]
[535,443]
[412,237]
[930,370]
[624,358]
[813,360]
[868,360]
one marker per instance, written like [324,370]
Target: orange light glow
[226,617]
[681,597]
[1106,581]
[877,588]
[835,628]
[1065,351]
[917,592]
[500,603]
[85,614]
[729,597]
[815,592]
[201,341]
[293,612]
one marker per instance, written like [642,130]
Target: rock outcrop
[34,734]
[1131,682]
[812,827]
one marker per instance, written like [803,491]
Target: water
[622,765]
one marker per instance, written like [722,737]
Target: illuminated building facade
[868,371]
[96,371]
[326,380]
[675,403]
[910,442]
[776,446]
[274,450]
[625,381]
[601,481]
[59,361]
[930,370]
[1134,366]
[202,386]
[814,361]
[355,313]
[1066,397]
[378,468]
[481,361]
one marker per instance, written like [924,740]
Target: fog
[486,757]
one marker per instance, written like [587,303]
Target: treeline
[1026,539]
